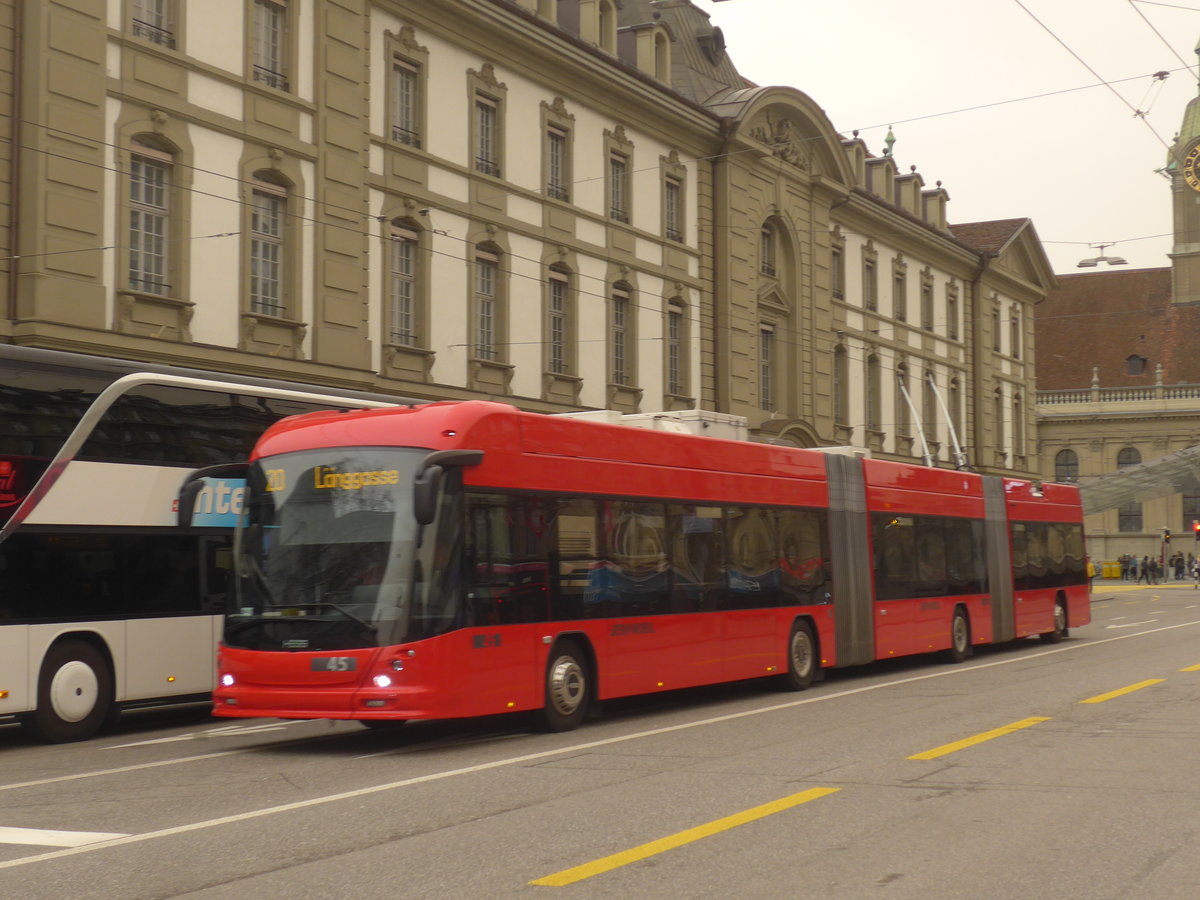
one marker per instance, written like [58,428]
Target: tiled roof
[1101,319]
[988,237]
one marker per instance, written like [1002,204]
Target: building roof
[988,237]
[1101,319]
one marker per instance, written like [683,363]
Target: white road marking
[1133,624]
[530,757]
[225,731]
[45,838]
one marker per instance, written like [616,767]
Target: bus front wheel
[802,657]
[75,693]
[567,688]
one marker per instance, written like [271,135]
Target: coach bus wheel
[75,693]
[566,688]
[802,657]
[1060,624]
[960,637]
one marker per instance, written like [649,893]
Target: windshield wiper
[371,629]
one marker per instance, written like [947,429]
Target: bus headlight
[382,681]
[227,680]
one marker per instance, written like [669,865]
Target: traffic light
[1166,535]
[1196,528]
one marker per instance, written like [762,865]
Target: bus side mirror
[185,505]
[428,481]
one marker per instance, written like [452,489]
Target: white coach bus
[104,601]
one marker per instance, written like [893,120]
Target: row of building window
[153,21]
[149,272]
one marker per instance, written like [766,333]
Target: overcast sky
[1003,101]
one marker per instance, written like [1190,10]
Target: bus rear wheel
[75,693]
[567,688]
[960,637]
[801,657]
[1060,625]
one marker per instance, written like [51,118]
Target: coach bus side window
[803,557]
[580,574]
[697,558]
[753,559]
[635,542]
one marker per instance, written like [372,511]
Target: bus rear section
[566,562]
[1050,586]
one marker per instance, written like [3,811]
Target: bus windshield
[326,551]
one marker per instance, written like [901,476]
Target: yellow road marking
[1125,690]
[1195,668]
[980,738]
[616,860]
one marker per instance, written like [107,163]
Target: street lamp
[1092,262]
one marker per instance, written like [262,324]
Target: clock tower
[1183,167]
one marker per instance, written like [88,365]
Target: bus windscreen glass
[326,550]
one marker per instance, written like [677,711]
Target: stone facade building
[564,204]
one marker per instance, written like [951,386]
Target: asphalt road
[1031,770]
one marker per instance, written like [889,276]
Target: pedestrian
[1124,561]
[1144,570]
[1091,570]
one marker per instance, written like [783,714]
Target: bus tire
[74,694]
[960,637]
[801,657]
[1056,634]
[568,688]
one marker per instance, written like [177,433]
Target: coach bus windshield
[327,550]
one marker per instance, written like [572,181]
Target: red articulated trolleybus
[463,559]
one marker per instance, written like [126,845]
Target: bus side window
[697,558]
[635,539]
[507,559]
[580,576]
[753,559]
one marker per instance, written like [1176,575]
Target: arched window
[1018,427]
[608,27]
[559,319]
[268,245]
[1066,466]
[998,420]
[622,324]
[903,421]
[662,57]
[1129,515]
[151,169]
[403,319]
[766,250]
[874,412]
[954,401]
[841,399]
[677,348]
[488,312]
[929,408]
